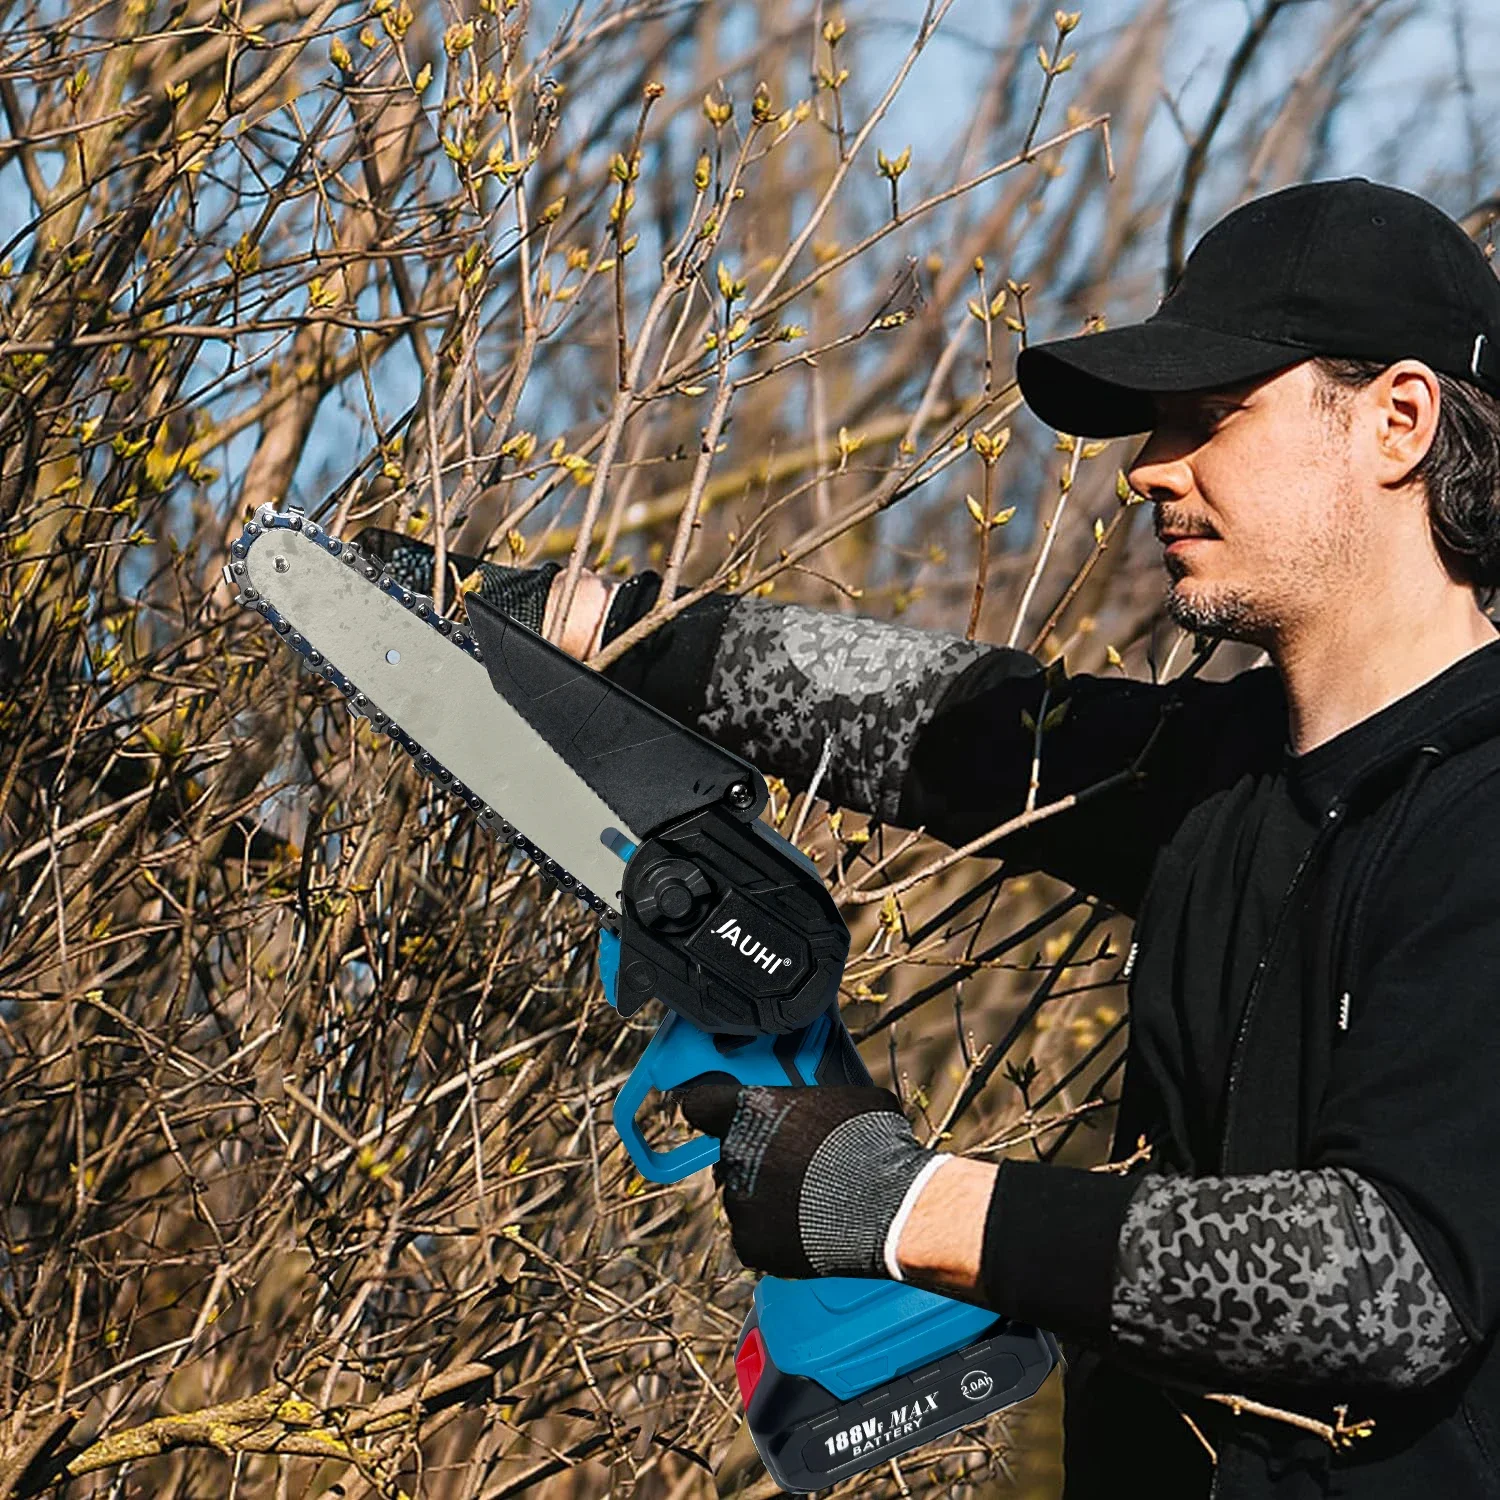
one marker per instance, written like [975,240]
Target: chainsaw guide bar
[585,833]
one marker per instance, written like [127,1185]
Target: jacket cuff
[1050,1237]
[671,667]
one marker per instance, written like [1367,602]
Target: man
[1311,853]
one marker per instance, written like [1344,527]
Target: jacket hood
[1447,714]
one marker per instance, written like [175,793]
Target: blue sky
[1421,113]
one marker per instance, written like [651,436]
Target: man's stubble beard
[1225,614]
[1332,553]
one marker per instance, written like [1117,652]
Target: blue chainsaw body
[836,1373]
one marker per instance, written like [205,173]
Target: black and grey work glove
[817,1181]
[520,593]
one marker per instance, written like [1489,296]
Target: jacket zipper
[1237,1053]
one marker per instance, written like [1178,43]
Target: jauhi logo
[749,946]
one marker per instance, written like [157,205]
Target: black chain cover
[725,923]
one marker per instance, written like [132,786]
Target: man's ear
[1407,400]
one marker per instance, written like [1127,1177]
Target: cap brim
[1101,385]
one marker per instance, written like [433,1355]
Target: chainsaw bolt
[740,794]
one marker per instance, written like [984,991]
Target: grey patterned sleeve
[1295,1276]
[787,679]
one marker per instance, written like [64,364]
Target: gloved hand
[521,593]
[817,1181]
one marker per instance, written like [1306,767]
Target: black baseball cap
[1348,268]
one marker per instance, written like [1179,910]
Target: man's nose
[1160,471]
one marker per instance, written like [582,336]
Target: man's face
[1257,505]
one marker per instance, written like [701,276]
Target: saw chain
[362,705]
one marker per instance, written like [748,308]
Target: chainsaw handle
[677,1054]
[680,1053]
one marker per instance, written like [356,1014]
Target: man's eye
[1199,419]
[1207,418]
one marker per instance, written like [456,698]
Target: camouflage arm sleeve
[786,680]
[1296,1276]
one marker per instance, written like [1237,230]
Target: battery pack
[810,1437]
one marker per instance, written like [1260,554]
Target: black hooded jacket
[1355,1025]
[1368,1038]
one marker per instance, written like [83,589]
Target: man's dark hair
[1461,471]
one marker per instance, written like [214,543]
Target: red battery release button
[750,1364]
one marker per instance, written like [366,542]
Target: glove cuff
[520,593]
[909,1202]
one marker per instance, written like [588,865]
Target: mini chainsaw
[703,908]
